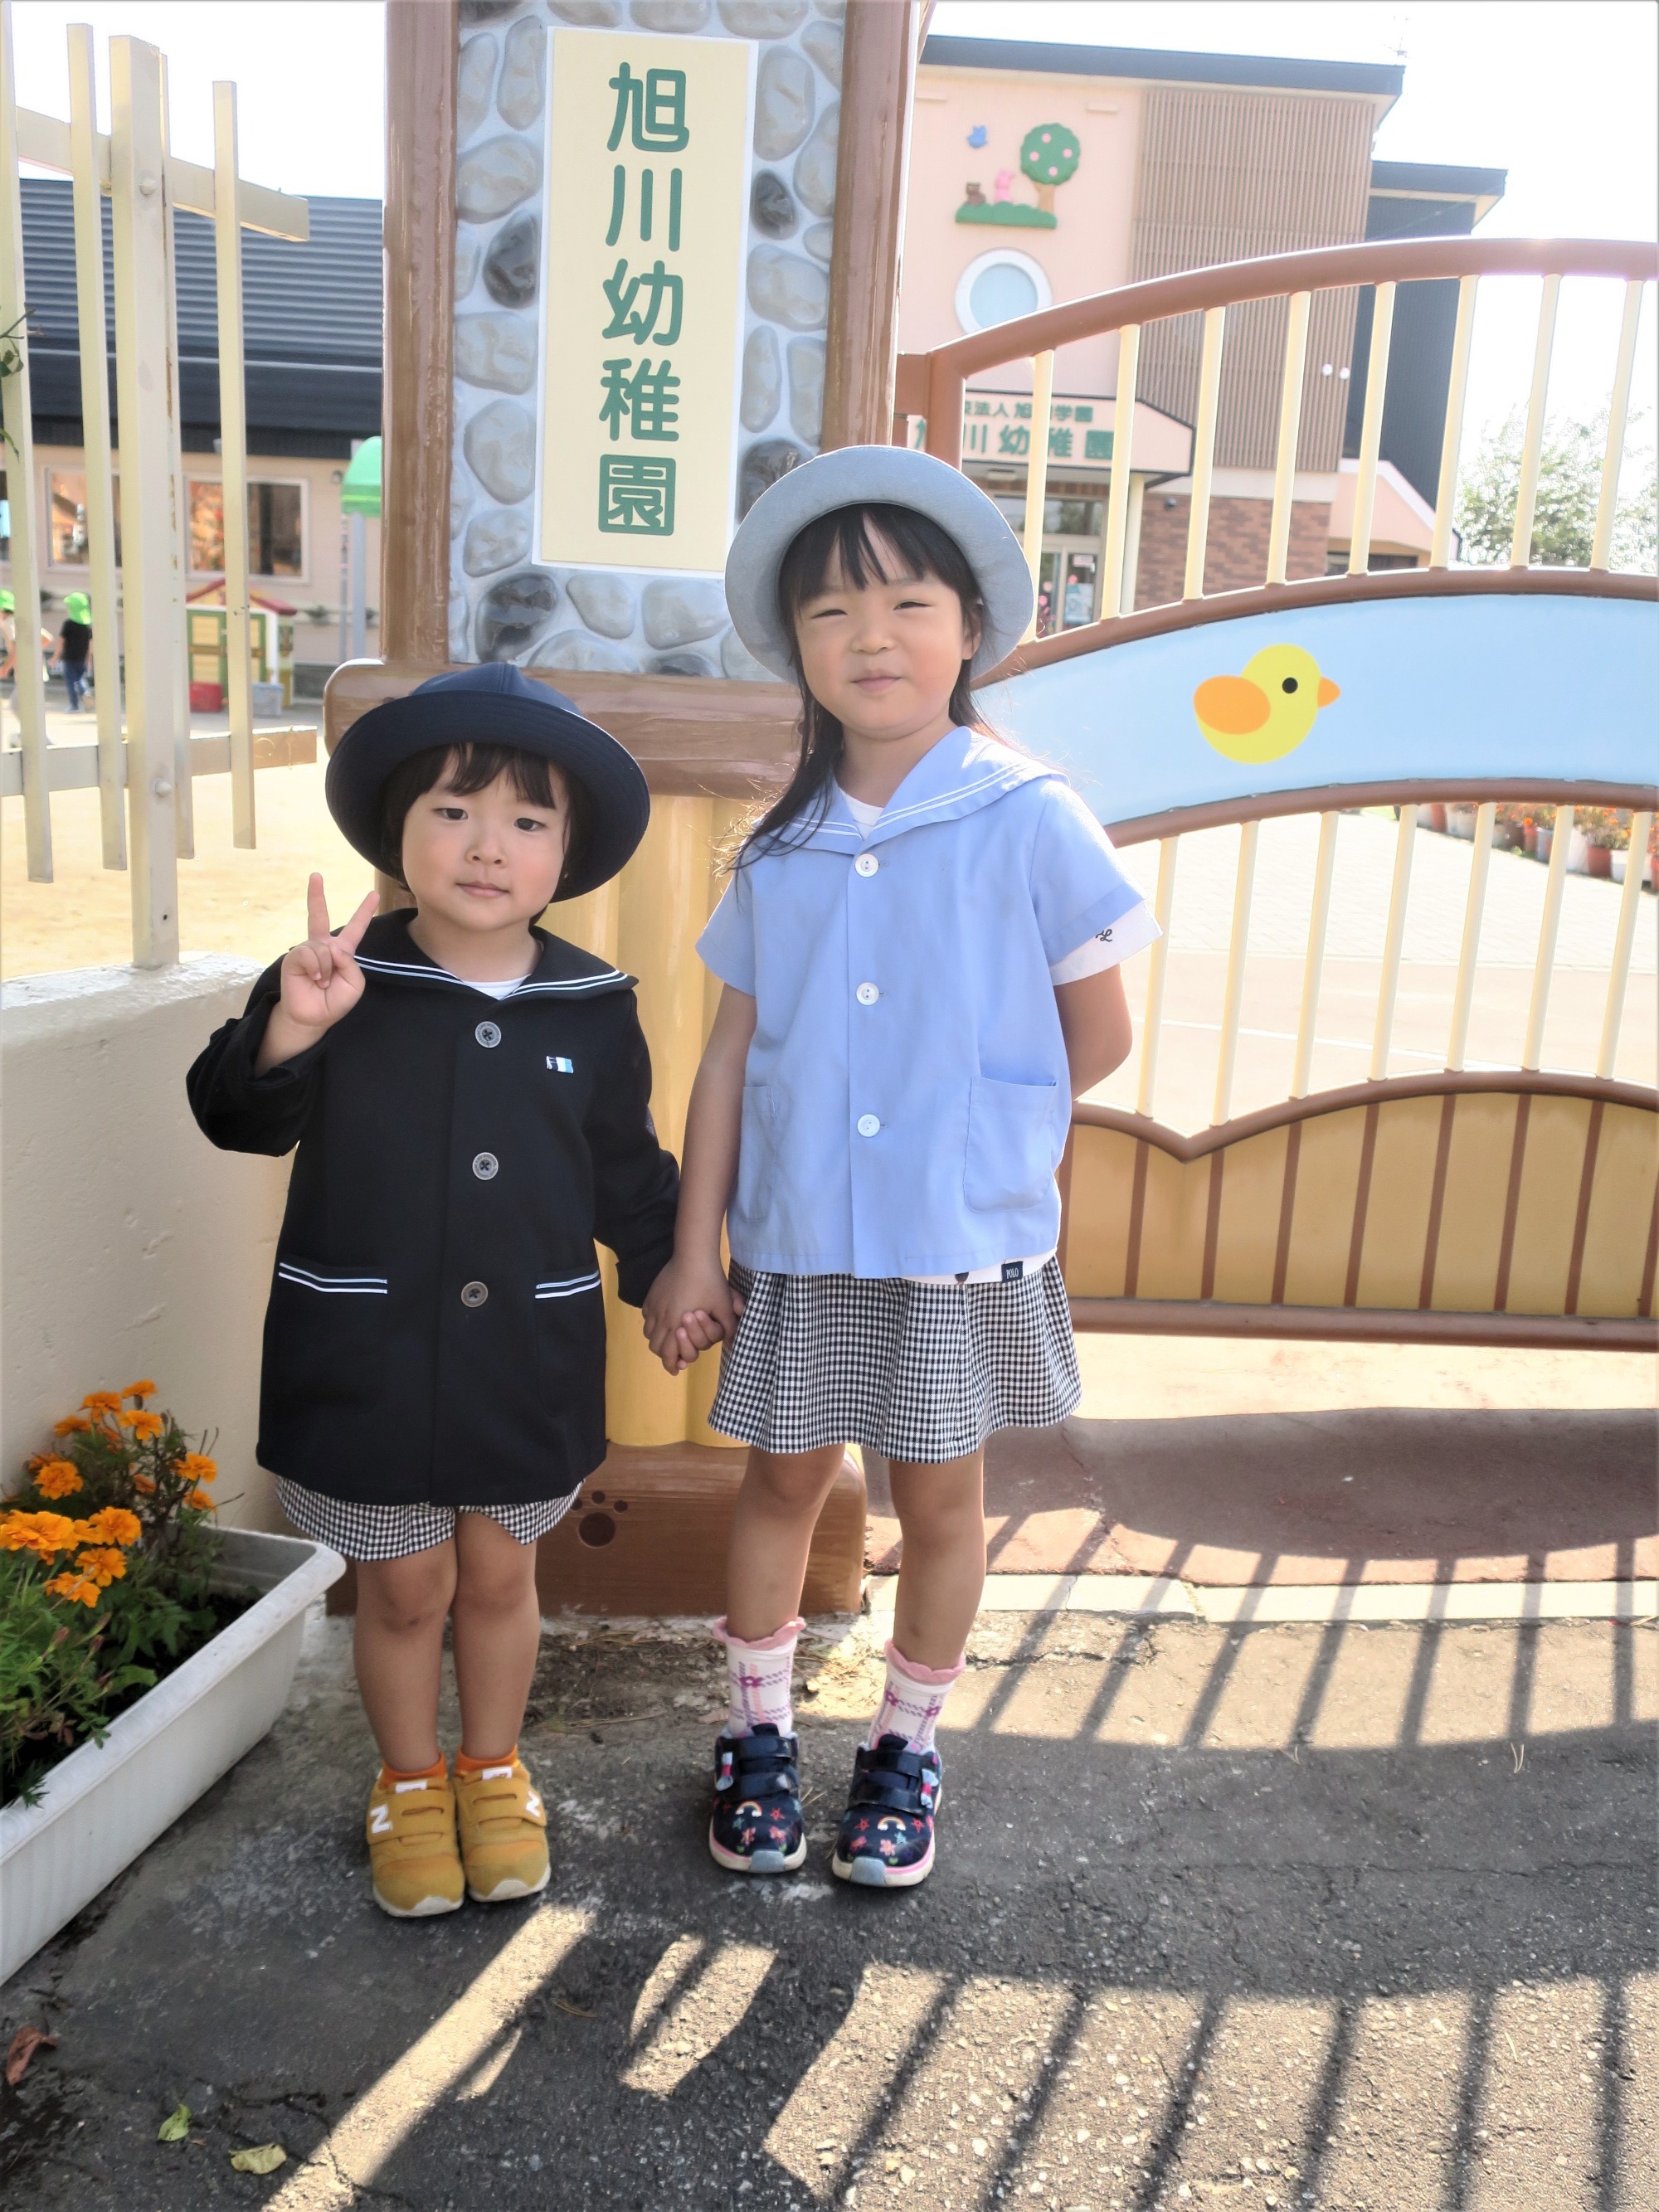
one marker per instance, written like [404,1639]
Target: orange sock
[390,1774]
[465,1764]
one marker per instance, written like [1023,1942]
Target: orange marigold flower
[104,1565]
[145,1485]
[73,1424]
[56,1478]
[111,1524]
[139,1390]
[102,1401]
[45,1534]
[144,1425]
[200,1499]
[196,1467]
[80,1590]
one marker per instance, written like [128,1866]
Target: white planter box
[106,1803]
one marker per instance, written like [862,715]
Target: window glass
[207,528]
[275,531]
[1001,293]
[66,518]
[1062,517]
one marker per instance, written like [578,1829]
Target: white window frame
[999,257]
[257,576]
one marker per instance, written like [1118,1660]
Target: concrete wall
[129,1246]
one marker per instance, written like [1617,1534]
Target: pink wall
[1088,251]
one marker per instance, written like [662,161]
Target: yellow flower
[102,1401]
[80,1590]
[200,1499]
[144,1425]
[44,1534]
[145,1485]
[196,1467]
[111,1524]
[73,1425]
[139,1390]
[104,1566]
[56,1478]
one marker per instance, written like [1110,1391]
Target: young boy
[470,1097]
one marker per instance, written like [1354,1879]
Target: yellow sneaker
[503,1827]
[412,1851]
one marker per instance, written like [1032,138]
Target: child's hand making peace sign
[321,981]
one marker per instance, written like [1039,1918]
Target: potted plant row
[143,1650]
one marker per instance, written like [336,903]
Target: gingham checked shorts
[914,1370]
[392,1532]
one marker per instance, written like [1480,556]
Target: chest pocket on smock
[1012,1154]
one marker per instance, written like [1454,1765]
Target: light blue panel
[1467,687]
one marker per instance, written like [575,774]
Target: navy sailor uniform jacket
[435,1332]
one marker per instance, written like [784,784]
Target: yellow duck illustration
[1268,710]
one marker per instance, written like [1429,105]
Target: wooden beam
[877,73]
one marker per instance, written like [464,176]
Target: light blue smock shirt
[907,1096]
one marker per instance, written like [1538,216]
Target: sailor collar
[390,955]
[966,770]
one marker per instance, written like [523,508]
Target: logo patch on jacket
[560,1064]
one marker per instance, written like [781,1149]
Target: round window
[1001,293]
[999,287]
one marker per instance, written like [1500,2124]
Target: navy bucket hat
[494,704]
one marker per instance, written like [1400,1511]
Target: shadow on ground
[1286,1917]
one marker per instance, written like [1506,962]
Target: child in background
[75,647]
[919,944]
[469,1098]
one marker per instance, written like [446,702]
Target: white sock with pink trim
[911,1700]
[757,1678]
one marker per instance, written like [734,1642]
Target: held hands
[321,982]
[688,1309]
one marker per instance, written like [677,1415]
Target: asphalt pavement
[1288,1917]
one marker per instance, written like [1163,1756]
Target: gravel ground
[1293,1917]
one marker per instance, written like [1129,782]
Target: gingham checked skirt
[914,1370]
[392,1532]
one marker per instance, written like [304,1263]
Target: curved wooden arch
[1449,1207]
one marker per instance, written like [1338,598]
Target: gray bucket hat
[877,476]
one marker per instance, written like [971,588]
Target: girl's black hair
[855,540]
[470,768]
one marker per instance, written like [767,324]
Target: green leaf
[265,2158]
[175,2127]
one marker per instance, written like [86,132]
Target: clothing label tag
[563,1067]
[1013,1271]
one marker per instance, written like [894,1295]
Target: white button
[868,1124]
[866,995]
[487,1034]
[866,864]
[474,1294]
[485,1165]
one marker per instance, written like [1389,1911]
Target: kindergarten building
[1042,172]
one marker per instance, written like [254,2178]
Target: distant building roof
[1441,180]
[1381,80]
[313,307]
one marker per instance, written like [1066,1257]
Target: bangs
[470,768]
[861,544]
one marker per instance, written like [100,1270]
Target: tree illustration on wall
[1049,156]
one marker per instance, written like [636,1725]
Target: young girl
[470,1099]
[919,946]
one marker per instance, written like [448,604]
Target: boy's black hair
[470,768]
[856,539]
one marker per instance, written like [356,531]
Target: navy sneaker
[885,1840]
[756,1826]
